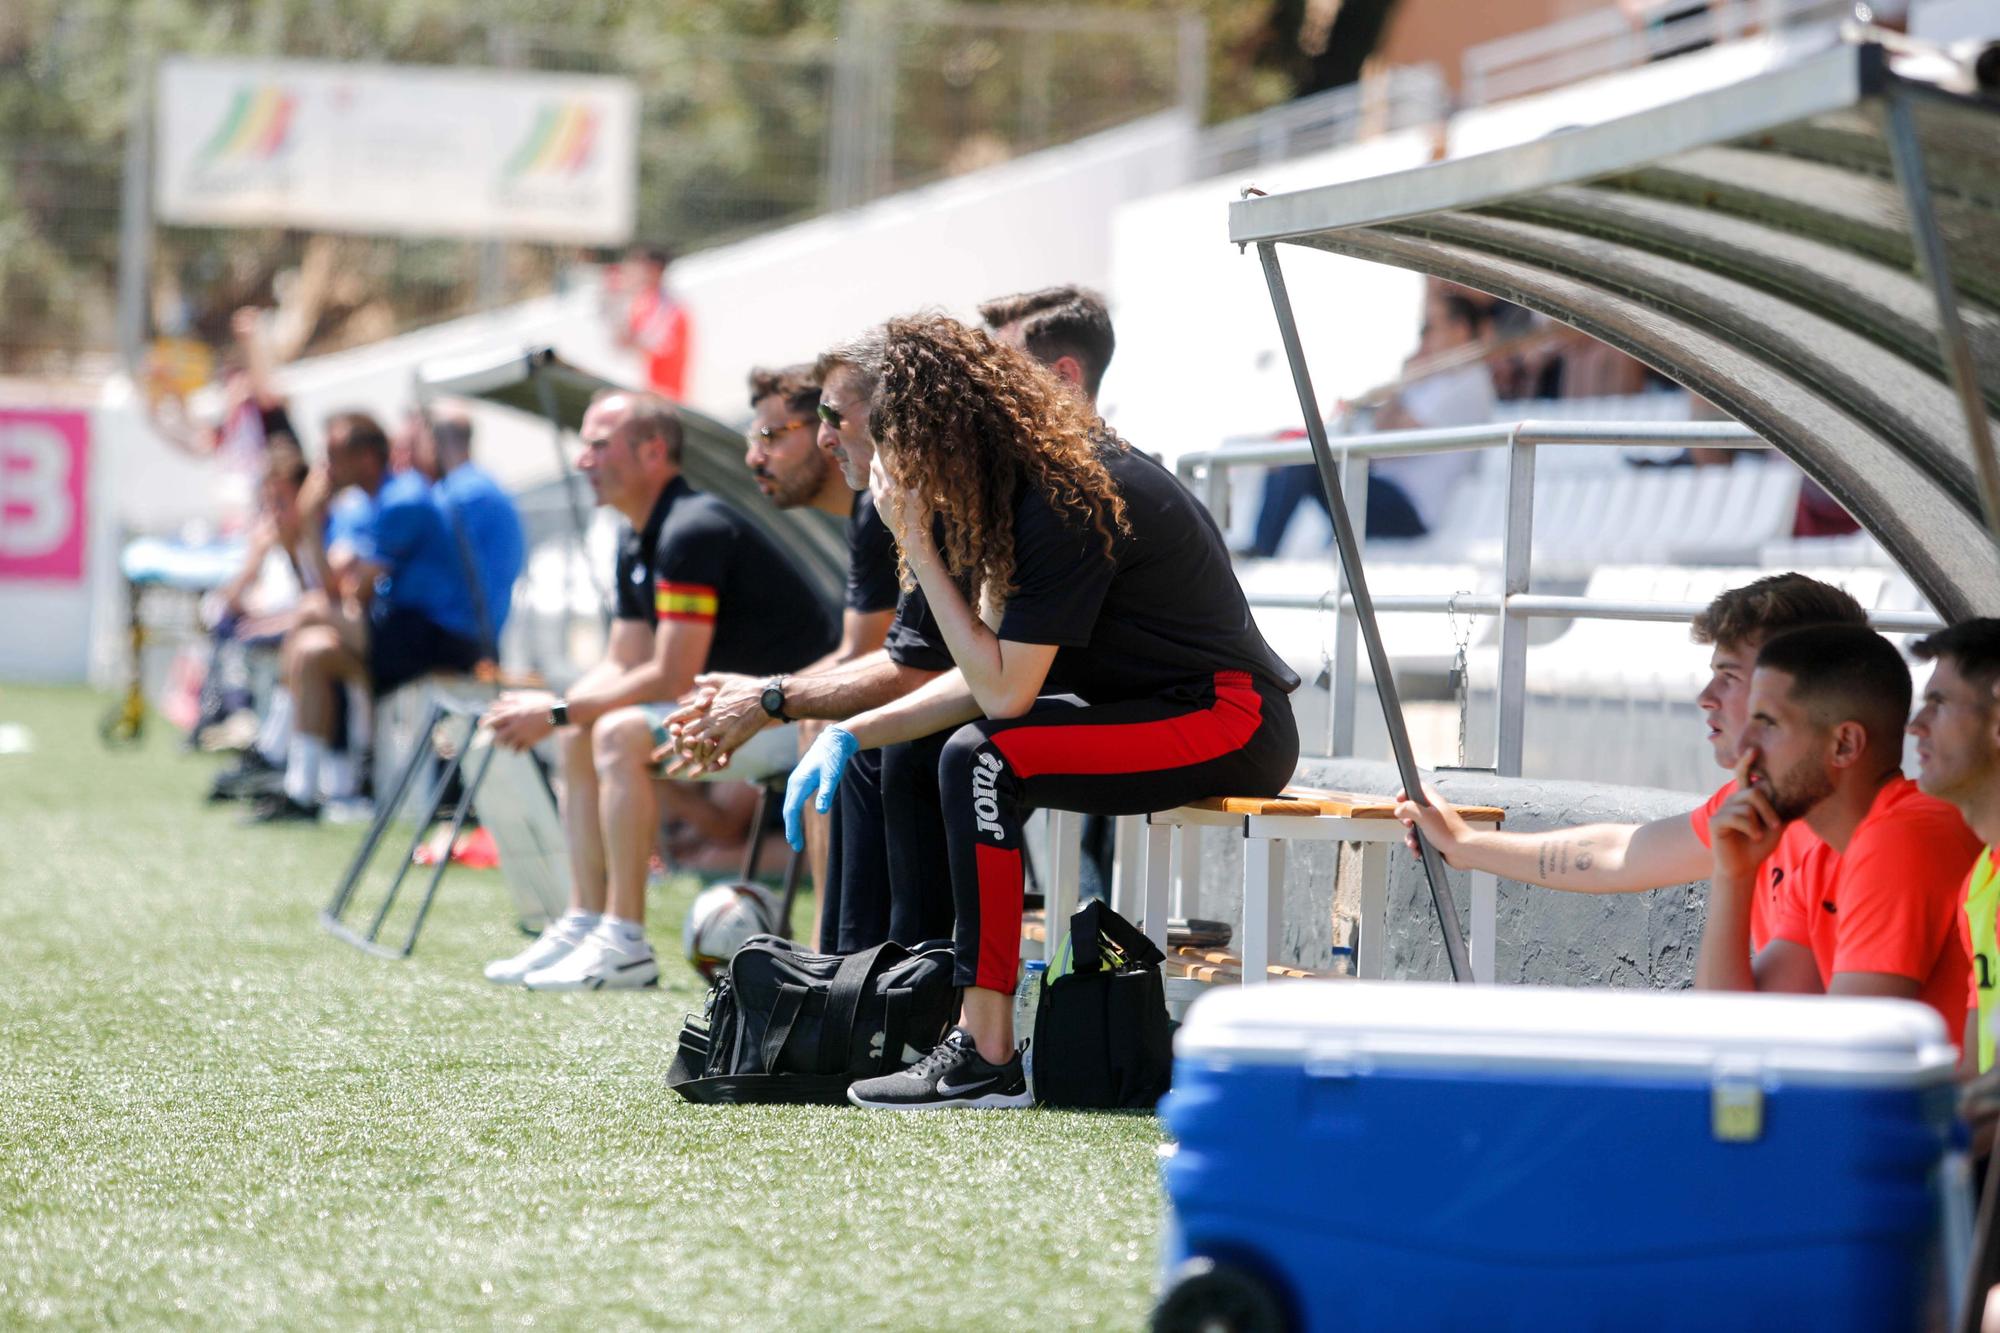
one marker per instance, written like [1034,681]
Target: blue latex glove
[820,772]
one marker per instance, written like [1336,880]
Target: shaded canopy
[541,384]
[1751,243]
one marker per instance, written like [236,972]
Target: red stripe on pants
[999,917]
[1224,727]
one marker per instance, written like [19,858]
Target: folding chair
[424,754]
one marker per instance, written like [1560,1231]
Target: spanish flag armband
[684,601]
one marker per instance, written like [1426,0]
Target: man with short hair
[482,517]
[861,906]
[1957,727]
[1873,909]
[791,469]
[698,586]
[403,610]
[1631,858]
[1068,329]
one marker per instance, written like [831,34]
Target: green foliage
[736,110]
[217,1115]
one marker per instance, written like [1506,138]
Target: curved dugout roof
[1754,244]
[542,384]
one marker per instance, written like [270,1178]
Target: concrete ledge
[1573,939]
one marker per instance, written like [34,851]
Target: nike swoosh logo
[950,1091]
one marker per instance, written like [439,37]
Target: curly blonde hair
[963,422]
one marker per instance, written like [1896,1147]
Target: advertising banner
[44,485]
[405,150]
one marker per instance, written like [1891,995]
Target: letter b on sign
[44,458]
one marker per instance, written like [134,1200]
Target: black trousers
[1231,735]
[888,867]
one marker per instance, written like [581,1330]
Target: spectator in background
[402,609]
[253,412]
[325,552]
[481,517]
[699,588]
[1444,384]
[237,618]
[656,325]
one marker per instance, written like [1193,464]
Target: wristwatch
[559,713]
[773,698]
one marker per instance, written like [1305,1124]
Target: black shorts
[405,645]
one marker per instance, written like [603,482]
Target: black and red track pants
[1231,735]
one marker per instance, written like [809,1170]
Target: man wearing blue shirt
[404,609]
[480,517]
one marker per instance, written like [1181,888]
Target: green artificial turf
[211,1112]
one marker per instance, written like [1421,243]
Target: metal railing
[1604,40]
[1399,98]
[1206,472]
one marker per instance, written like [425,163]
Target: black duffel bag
[1102,1039]
[784,1025]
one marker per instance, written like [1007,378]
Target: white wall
[1198,352]
[1041,220]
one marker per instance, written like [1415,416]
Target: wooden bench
[1158,869]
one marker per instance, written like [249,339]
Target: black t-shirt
[1164,610]
[871,559]
[914,637]
[698,559]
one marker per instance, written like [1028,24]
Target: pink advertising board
[44,485]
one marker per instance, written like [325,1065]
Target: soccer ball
[720,919]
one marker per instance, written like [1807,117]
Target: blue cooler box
[1367,1155]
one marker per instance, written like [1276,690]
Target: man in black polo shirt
[698,586]
[887,873]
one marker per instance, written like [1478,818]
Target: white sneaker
[554,944]
[600,961]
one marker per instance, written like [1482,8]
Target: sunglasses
[830,416]
[770,433]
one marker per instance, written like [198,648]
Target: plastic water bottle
[1028,999]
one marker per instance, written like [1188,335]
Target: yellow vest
[1982,903]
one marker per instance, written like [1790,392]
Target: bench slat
[1313,801]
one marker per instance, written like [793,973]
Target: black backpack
[784,1025]
[1102,1038]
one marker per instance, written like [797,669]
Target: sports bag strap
[843,998]
[895,1017]
[784,1013]
[1085,955]
[1095,922]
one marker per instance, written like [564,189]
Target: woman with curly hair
[1057,562]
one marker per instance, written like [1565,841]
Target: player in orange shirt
[1631,858]
[1874,910]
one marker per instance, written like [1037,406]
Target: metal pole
[1346,646]
[1191,74]
[845,153]
[1364,610]
[135,213]
[1906,152]
[1511,702]
[545,398]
